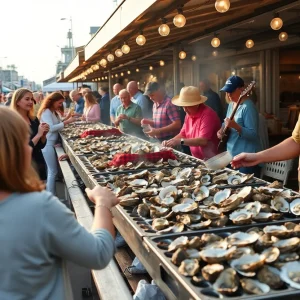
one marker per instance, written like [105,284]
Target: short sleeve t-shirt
[296,132]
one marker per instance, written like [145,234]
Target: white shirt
[54,123]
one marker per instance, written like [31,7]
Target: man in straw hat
[200,127]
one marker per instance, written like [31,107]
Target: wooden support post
[110,88]
[176,73]
[268,85]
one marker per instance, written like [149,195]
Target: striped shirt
[164,114]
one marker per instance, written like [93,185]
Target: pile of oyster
[180,199]
[258,260]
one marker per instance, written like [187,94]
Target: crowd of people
[29,129]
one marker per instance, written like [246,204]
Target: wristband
[102,205]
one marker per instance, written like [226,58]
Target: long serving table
[143,240]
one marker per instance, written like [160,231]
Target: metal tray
[177,286]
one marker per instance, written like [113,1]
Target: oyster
[231,203]
[159,224]
[238,179]
[201,193]
[253,207]
[185,207]
[220,222]
[179,256]
[261,197]
[205,179]
[210,213]
[295,207]
[290,273]
[242,251]
[143,210]
[241,239]
[201,225]
[168,195]
[263,217]
[265,241]
[128,200]
[280,204]
[220,178]
[221,196]
[189,267]
[241,216]
[286,257]
[196,243]
[288,244]
[185,219]
[193,253]
[157,212]
[178,243]
[227,283]
[216,255]
[277,230]
[270,276]
[173,163]
[247,264]
[271,254]
[146,192]
[211,272]
[139,182]
[252,286]
[210,238]
[177,227]
[184,173]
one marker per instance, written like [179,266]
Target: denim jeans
[52,167]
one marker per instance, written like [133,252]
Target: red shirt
[204,124]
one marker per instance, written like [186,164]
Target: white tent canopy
[58,86]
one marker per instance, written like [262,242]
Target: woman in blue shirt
[243,135]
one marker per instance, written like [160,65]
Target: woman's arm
[47,118]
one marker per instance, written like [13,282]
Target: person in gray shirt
[38,233]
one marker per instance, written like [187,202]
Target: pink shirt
[204,124]
[92,113]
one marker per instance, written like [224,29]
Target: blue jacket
[105,109]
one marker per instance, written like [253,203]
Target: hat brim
[227,88]
[179,101]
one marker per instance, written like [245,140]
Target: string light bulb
[215,53]
[179,20]
[164,29]
[116,75]
[194,57]
[128,72]
[215,42]
[182,54]
[106,77]
[137,69]
[118,52]
[125,48]
[161,63]
[276,22]
[141,40]
[110,57]
[249,44]
[150,68]
[222,6]
[283,36]
[122,74]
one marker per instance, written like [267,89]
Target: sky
[32,32]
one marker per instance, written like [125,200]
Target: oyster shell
[220,222]
[184,173]
[205,179]
[287,245]
[290,273]
[247,264]
[189,267]
[179,256]
[210,238]
[139,182]
[211,272]
[168,195]
[128,200]
[252,286]
[185,207]
[271,254]
[201,193]
[286,257]
[241,216]
[263,217]
[221,196]
[253,207]
[159,224]
[277,230]
[178,243]
[242,251]
[177,227]
[261,197]
[157,212]
[295,207]
[220,178]
[173,163]
[241,239]
[143,210]
[210,213]
[280,204]
[201,225]
[216,255]
[270,276]
[196,243]
[193,253]
[227,283]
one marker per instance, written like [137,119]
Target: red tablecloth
[124,158]
[107,132]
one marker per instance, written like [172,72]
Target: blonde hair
[89,99]
[17,96]
[14,134]
[36,96]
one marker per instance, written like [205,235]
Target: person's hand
[123,117]
[101,195]
[83,118]
[245,160]
[41,130]
[71,120]
[172,143]
[153,132]
[146,121]
[63,157]
[219,134]
[230,123]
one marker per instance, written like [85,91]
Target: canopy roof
[58,86]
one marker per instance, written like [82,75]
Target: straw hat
[189,96]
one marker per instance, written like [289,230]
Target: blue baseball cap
[232,83]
